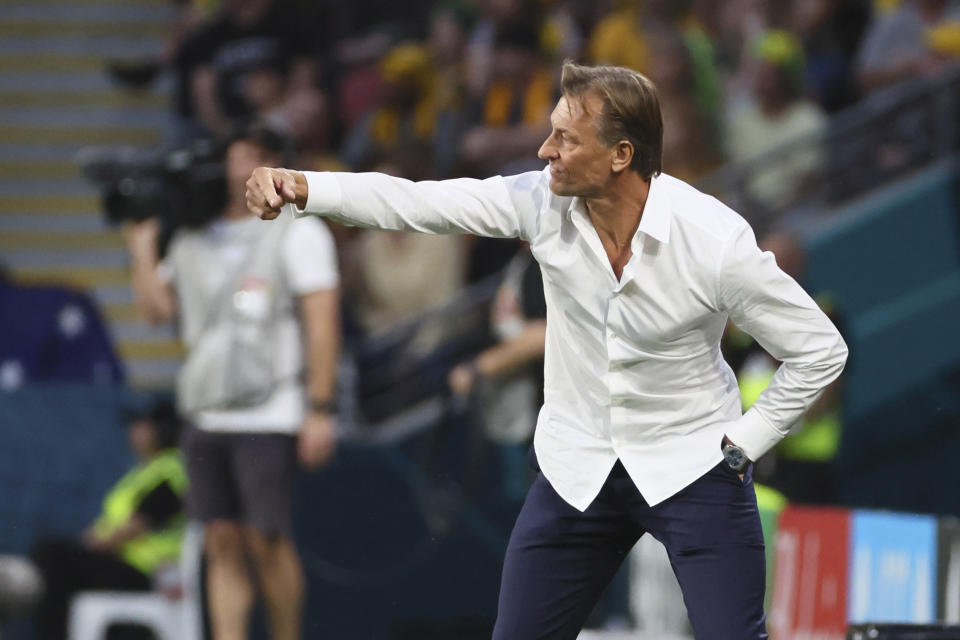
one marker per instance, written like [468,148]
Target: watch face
[734,457]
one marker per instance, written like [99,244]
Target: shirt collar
[657,212]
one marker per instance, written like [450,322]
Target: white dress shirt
[632,368]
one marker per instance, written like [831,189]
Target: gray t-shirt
[308,263]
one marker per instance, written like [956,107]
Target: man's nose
[546,151]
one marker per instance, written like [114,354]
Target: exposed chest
[618,257]
[654,295]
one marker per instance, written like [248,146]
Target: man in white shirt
[241,454]
[641,428]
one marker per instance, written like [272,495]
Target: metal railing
[890,133]
[394,383]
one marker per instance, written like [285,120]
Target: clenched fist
[269,189]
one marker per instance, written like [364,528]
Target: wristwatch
[323,407]
[734,456]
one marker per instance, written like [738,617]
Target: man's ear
[622,156]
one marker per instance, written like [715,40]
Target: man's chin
[559,188]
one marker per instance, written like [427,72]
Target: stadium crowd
[432,90]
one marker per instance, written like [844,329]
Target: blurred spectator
[142,71]
[514,114]
[690,136]
[565,27]
[52,334]
[420,100]
[669,17]
[737,26]
[365,32]
[137,534]
[618,39]
[399,276]
[255,59]
[720,21]
[419,112]
[777,114]
[494,15]
[393,276]
[673,47]
[913,39]
[247,293]
[449,26]
[831,31]
[407,114]
[508,377]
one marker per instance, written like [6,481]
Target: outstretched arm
[505,207]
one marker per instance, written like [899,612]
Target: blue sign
[893,575]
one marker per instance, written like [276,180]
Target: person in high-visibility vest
[138,532]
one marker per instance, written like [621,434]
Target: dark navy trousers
[559,560]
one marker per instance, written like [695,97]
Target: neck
[616,212]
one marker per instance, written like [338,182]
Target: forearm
[320,315]
[794,390]
[322,324]
[153,298]
[133,528]
[321,369]
[510,355]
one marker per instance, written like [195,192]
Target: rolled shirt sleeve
[770,306]
[499,207]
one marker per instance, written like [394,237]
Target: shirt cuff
[754,434]
[324,195]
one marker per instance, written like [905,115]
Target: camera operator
[257,396]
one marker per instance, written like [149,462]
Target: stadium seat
[92,613]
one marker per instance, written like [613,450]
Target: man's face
[143,438]
[580,163]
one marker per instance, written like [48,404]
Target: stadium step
[55,99]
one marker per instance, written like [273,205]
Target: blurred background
[833,126]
